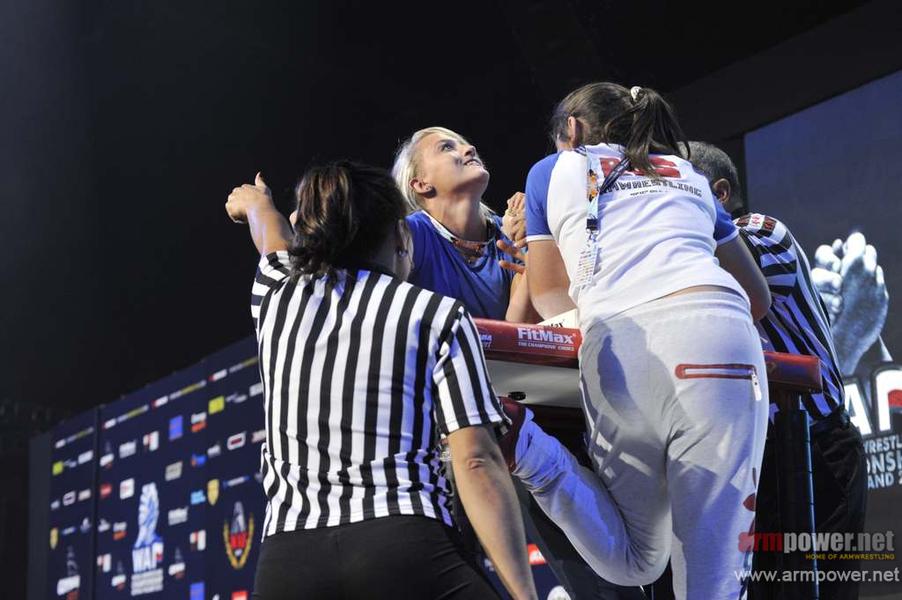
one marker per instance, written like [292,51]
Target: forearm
[491,504]
[552,302]
[548,280]
[520,309]
[854,344]
[848,353]
[738,261]
[270,230]
[755,286]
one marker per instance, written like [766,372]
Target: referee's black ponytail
[639,119]
[345,211]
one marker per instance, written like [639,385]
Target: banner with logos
[151,497]
[170,475]
[235,499]
[830,173]
[71,535]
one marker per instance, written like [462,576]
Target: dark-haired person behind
[361,370]
[797,323]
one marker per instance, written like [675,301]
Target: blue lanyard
[592,218]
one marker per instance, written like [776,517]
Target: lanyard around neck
[594,195]
[443,231]
[470,250]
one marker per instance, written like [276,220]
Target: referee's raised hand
[246,198]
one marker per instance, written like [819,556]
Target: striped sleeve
[272,269]
[797,321]
[464,395]
[774,248]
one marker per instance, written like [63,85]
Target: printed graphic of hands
[851,283]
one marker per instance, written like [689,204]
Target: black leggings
[390,557]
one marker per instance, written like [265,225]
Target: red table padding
[559,347]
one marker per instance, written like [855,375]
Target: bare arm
[513,225]
[488,497]
[519,307]
[736,259]
[252,204]
[548,280]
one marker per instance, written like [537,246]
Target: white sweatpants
[675,397]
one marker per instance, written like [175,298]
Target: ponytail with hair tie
[634,93]
[637,118]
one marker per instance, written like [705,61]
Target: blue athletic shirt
[655,237]
[483,287]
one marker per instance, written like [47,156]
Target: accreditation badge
[588,263]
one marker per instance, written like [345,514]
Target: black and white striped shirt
[797,321]
[359,373]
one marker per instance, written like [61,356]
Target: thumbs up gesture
[246,198]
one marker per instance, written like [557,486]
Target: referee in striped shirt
[797,323]
[361,372]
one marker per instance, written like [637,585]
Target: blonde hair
[406,166]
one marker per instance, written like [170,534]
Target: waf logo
[238,537]
[147,553]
